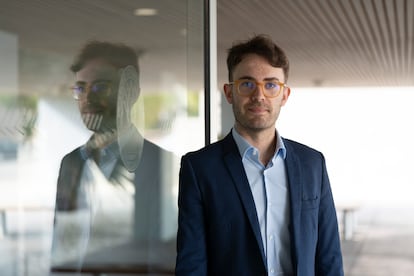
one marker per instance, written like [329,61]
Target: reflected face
[256,112]
[97,82]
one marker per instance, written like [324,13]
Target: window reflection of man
[110,189]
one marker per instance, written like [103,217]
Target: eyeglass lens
[271,88]
[98,89]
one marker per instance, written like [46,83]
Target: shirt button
[272,271]
[271,237]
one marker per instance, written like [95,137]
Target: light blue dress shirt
[108,157]
[269,187]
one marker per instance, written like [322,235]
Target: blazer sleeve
[191,236]
[328,260]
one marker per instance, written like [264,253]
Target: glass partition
[90,142]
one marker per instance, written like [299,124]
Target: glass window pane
[90,184]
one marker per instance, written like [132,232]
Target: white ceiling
[329,42]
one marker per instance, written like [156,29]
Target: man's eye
[79,89]
[271,85]
[248,84]
[99,87]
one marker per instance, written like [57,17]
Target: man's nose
[90,94]
[259,93]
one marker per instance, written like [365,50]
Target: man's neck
[100,140]
[263,140]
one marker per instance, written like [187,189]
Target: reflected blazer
[151,178]
[219,233]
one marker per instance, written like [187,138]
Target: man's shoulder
[299,148]
[72,155]
[152,149]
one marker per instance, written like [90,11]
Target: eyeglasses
[99,88]
[271,88]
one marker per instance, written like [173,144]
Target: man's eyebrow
[246,78]
[94,81]
[271,79]
[265,79]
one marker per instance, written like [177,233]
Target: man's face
[97,103]
[256,112]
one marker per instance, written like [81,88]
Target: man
[114,192]
[255,203]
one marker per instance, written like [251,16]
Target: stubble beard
[253,124]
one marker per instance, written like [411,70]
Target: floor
[382,245]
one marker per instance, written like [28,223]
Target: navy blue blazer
[218,231]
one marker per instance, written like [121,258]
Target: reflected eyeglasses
[100,89]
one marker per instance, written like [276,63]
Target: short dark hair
[117,54]
[261,45]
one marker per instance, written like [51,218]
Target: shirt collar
[110,150]
[244,146]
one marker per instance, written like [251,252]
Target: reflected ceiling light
[145,12]
[183,32]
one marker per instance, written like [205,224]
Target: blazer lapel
[234,164]
[295,193]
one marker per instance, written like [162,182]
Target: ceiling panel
[329,42]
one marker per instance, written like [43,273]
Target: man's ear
[228,93]
[286,94]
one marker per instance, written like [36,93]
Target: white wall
[366,136]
